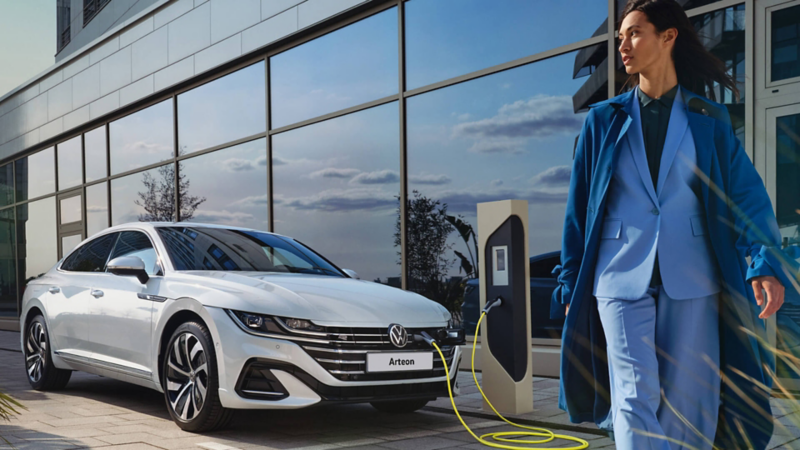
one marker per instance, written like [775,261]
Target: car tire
[399,406]
[42,374]
[191,382]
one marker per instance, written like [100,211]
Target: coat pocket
[699,227]
[612,229]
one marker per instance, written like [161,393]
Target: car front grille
[346,359]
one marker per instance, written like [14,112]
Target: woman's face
[641,47]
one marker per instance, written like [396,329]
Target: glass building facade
[373,140]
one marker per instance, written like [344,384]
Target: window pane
[8,269]
[347,67]
[70,164]
[40,168]
[91,257]
[96,208]
[7,184]
[70,242]
[336,186]
[95,143]
[227,186]
[144,196]
[135,243]
[687,5]
[786,43]
[145,137]
[71,209]
[448,38]
[37,251]
[223,110]
[506,136]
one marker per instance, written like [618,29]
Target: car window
[92,256]
[541,268]
[136,243]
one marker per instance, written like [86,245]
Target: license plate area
[399,361]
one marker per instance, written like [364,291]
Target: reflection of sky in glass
[125,192]
[7,184]
[70,166]
[507,136]
[145,137]
[226,109]
[95,149]
[347,67]
[38,250]
[96,208]
[448,38]
[335,186]
[70,242]
[36,175]
[70,209]
[234,183]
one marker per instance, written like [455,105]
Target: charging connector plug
[496,302]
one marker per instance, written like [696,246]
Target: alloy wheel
[36,355]
[187,376]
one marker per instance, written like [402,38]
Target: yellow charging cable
[504,436]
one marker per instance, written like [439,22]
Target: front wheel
[190,380]
[42,374]
[399,406]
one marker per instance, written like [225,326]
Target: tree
[427,229]
[158,198]
[8,406]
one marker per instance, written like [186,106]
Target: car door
[543,283]
[68,302]
[122,309]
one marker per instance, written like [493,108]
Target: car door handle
[54,290]
[96,293]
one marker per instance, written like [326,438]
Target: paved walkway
[94,412]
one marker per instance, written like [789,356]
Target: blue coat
[741,222]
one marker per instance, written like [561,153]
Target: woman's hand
[775,293]
[567,311]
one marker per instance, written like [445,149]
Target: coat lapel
[636,144]
[676,128]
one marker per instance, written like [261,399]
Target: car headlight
[256,322]
[302,325]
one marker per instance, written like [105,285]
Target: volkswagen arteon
[222,318]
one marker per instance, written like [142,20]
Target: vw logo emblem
[398,335]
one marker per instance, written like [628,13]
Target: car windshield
[205,248]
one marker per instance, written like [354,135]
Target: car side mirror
[351,273]
[129,266]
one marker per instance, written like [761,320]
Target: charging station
[506,333]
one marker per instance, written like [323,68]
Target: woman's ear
[669,35]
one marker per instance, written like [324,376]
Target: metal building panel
[59,100]
[270,8]
[313,11]
[115,71]
[51,81]
[150,53]
[269,30]
[136,90]
[229,17]
[218,53]
[86,86]
[76,118]
[172,12]
[51,129]
[175,73]
[108,48]
[104,106]
[190,33]
[136,32]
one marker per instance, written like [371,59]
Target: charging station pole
[506,330]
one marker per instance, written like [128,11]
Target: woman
[663,207]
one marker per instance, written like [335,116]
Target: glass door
[783,184]
[70,221]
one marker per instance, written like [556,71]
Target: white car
[223,318]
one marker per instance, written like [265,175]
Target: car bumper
[290,378]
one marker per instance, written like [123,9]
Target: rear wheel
[399,406]
[42,374]
[190,380]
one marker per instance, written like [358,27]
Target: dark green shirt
[655,118]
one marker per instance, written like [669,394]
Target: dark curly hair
[696,67]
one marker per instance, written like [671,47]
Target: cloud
[332,172]
[378,177]
[239,165]
[465,116]
[554,176]
[344,200]
[252,201]
[539,117]
[434,180]
[497,183]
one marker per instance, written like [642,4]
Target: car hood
[325,300]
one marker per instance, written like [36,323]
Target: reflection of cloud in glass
[466,201]
[142,138]
[333,172]
[554,176]
[343,200]
[239,165]
[539,117]
[249,202]
[377,177]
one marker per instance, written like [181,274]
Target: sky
[27,40]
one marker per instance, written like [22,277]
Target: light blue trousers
[663,357]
